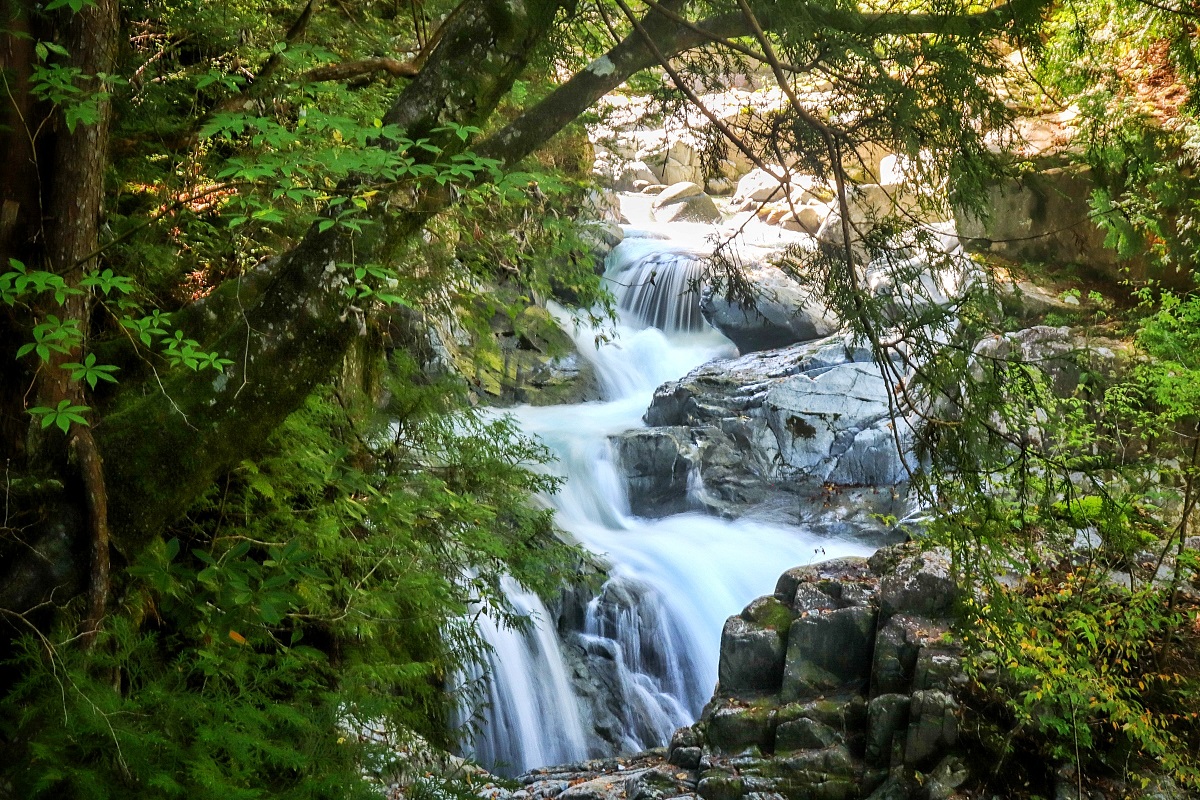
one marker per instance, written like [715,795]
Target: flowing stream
[641,658]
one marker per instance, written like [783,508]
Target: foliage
[326,583]
[322,588]
[1100,671]
[1098,664]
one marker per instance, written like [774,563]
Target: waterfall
[658,286]
[527,688]
[644,659]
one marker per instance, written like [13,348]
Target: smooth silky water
[672,581]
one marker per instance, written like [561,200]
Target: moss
[772,614]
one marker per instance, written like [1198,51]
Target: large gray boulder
[799,418]
[780,311]
[811,415]
[753,648]
[829,651]
[923,584]
[656,463]
[1041,216]
[629,173]
[932,727]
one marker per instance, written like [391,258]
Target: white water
[673,581]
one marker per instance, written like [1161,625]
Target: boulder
[752,657]
[806,218]
[815,419]
[779,312]
[828,651]
[685,748]
[799,416]
[656,463]
[733,729]
[842,581]
[898,647]
[700,208]
[804,734]
[1042,216]
[887,726]
[676,192]
[720,786]
[629,173]
[759,186]
[932,727]
[921,584]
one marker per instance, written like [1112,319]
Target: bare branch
[348,70]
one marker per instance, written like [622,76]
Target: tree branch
[348,70]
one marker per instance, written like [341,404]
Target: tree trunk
[164,447]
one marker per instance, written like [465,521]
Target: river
[654,631]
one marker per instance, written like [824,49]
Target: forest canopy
[228,470]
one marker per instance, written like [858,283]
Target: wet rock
[733,729]
[630,173]
[845,715]
[798,418]
[687,757]
[685,749]
[932,728]
[921,584]
[656,463]
[604,787]
[939,668]
[759,186]
[887,726]
[804,734]
[947,776]
[1043,216]
[823,762]
[720,787]
[838,580]
[685,202]
[816,420]
[897,647]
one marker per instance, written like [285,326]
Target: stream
[640,659]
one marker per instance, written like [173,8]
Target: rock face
[805,416]
[656,464]
[783,312]
[1044,216]
[860,698]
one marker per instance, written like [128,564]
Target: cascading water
[659,286]
[527,688]
[651,638]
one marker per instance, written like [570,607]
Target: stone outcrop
[1041,216]
[860,697]
[805,416]
[685,201]
[656,464]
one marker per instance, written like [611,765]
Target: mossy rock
[720,786]
[770,613]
